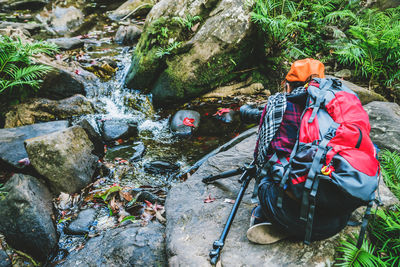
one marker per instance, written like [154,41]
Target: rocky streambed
[89,162]
[93,174]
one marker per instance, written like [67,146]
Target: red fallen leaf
[188,122]
[209,199]
[206,114]
[78,72]
[222,111]
[105,149]
[119,141]
[148,203]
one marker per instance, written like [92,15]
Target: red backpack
[332,169]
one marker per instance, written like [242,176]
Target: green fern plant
[357,257]
[372,45]
[279,19]
[385,234]
[17,69]
[390,162]
[164,51]
[188,22]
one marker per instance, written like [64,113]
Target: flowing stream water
[115,102]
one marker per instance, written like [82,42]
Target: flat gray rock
[65,43]
[131,245]
[12,140]
[80,225]
[366,96]
[384,118]
[193,226]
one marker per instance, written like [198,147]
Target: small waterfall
[118,102]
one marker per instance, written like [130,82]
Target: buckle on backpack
[327,170]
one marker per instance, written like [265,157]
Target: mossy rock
[209,55]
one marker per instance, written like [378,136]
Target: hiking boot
[257,216]
[265,233]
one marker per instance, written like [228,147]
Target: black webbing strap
[286,175]
[262,174]
[315,167]
[325,84]
[364,224]
[310,219]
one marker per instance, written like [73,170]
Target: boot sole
[265,233]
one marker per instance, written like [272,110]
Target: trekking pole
[245,179]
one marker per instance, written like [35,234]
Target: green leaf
[130,218]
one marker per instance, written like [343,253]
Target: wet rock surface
[26,216]
[30,28]
[130,245]
[127,35]
[185,122]
[22,4]
[139,152]
[63,21]
[65,43]
[93,135]
[64,158]
[192,227]
[159,166]
[131,8]
[117,128]
[59,84]
[5,261]
[41,110]
[385,129]
[81,225]
[12,140]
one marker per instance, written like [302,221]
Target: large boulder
[132,8]
[64,158]
[364,94]
[26,216]
[384,118]
[22,4]
[12,140]
[127,35]
[125,246]
[189,47]
[41,109]
[384,4]
[28,28]
[63,20]
[113,129]
[196,214]
[65,43]
[59,84]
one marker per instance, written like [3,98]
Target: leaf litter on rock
[209,199]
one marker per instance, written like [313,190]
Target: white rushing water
[118,102]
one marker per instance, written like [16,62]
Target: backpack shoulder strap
[325,84]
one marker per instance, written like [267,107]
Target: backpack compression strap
[311,186]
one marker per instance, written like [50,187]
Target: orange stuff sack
[304,68]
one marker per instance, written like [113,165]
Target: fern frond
[354,257]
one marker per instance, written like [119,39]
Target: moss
[146,66]
[183,82]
